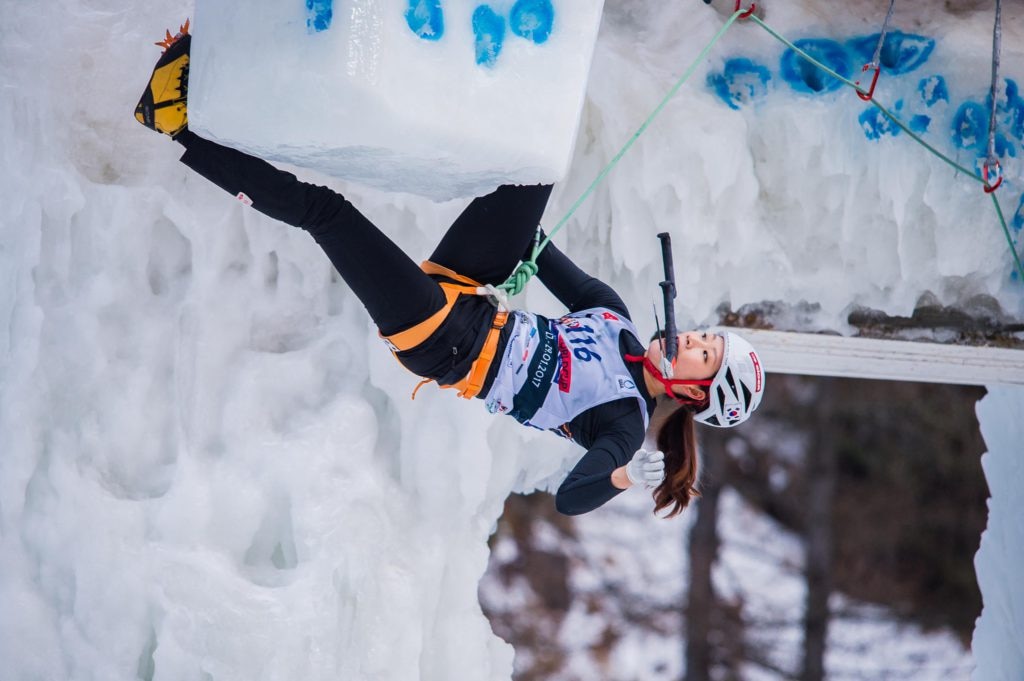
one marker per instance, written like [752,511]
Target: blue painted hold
[901,53]
[1018,218]
[1004,147]
[318,15]
[804,76]
[919,123]
[532,19]
[1011,110]
[970,126]
[425,19]
[933,90]
[489,29]
[875,124]
[741,82]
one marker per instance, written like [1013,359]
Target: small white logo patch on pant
[243,197]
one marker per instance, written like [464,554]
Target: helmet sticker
[757,372]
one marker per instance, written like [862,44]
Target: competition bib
[554,369]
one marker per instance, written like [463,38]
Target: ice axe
[670,341]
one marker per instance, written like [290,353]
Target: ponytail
[677,438]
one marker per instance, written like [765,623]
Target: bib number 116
[580,337]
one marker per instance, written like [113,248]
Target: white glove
[646,468]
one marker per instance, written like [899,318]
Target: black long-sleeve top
[613,431]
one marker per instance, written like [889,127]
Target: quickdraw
[991,161]
[750,10]
[867,95]
[998,174]
[876,60]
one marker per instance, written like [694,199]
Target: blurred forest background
[881,480]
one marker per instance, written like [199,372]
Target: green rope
[515,283]
[888,114]
[1006,233]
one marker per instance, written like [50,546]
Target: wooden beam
[812,354]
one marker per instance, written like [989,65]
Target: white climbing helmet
[736,389]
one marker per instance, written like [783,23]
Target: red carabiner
[989,188]
[745,15]
[866,96]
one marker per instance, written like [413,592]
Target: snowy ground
[210,468]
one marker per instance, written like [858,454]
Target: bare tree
[822,471]
[703,550]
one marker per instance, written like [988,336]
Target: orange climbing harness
[469,387]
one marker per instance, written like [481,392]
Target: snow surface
[210,468]
[759,573]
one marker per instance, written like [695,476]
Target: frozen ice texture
[209,465]
[443,99]
[998,643]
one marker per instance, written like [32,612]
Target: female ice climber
[586,376]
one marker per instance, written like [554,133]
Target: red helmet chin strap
[669,382]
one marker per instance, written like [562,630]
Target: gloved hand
[646,468]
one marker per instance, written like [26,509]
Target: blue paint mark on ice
[804,76]
[532,19]
[901,53]
[425,18]
[489,29]
[919,123]
[740,82]
[1004,147]
[1018,218]
[1010,109]
[970,126]
[933,90]
[318,15]
[875,124]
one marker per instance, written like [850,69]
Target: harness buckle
[497,296]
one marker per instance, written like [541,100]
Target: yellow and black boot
[164,104]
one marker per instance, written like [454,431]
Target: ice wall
[774,190]
[445,99]
[208,462]
[998,644]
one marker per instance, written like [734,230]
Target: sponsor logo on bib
[565,366]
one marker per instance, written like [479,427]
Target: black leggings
[485,242]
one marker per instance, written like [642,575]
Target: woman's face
[699,355]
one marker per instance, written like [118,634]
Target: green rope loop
[515,284]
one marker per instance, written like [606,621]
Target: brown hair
[677,438]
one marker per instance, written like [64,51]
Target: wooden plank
[826,355]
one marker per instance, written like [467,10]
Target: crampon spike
[171,39]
